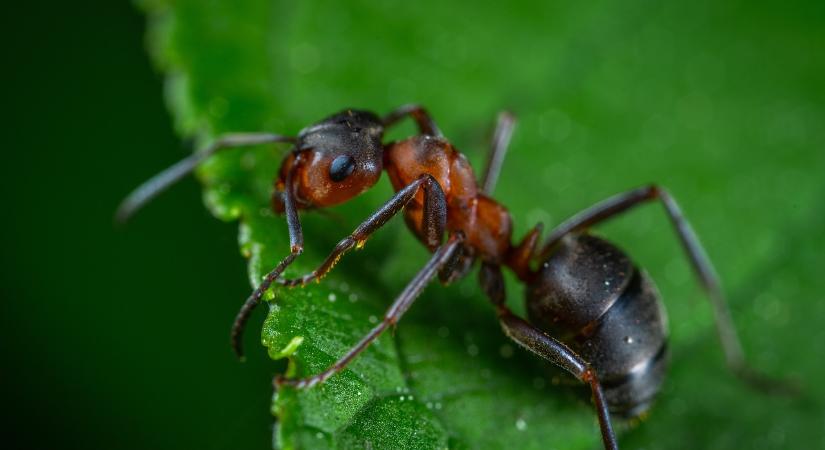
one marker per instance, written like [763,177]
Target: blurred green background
[117,338]
[103,342]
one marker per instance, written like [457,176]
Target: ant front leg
[546,347]
[435,221]
[613,206]
[426,124]
[402,303]
[296,247]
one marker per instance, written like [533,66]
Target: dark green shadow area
[104,330]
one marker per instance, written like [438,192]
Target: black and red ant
[591,310]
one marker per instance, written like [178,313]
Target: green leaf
[609,96]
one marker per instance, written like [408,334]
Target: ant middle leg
[434,217]
[709,280]
[402,303]
[546,347]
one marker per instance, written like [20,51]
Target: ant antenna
[160,182]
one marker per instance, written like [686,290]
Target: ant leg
[296,247]
[403,302]
[519,257]
[160,182]
[498,149]
[422,118]
[613,206]
[546,347]
[536,341]
[435,221]
[434,217]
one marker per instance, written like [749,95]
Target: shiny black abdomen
[589,295]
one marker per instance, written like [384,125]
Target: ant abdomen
[590,295]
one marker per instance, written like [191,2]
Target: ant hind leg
[709,280]
[546,347]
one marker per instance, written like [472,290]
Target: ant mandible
[591,310]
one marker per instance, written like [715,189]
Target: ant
[591,311]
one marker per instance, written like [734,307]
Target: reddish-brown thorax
[487,224]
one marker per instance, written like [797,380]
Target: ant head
[334,160]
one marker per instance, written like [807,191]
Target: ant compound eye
[341,167]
